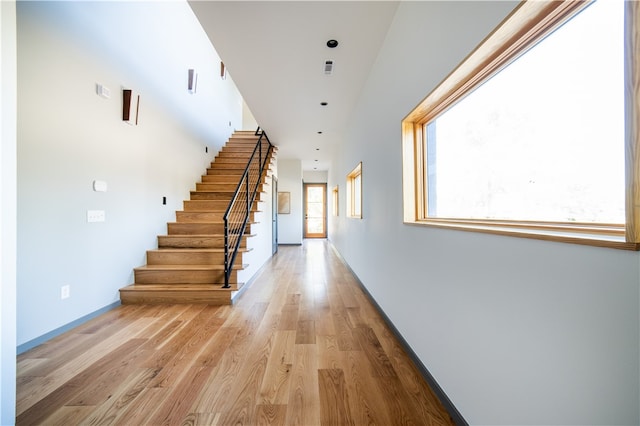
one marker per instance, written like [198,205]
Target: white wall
[248,121]
[515,331]
[314,176]
[8,213]
[290,180]
[68,137]
[261,244]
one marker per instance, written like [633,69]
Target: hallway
[302,346]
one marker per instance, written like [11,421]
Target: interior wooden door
[315,210]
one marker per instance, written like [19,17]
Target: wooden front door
[315,210]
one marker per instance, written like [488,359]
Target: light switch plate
[95,216]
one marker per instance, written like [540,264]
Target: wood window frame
[528,23]
[351,197]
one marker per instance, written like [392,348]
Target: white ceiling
[275,53]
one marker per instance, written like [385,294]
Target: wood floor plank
[194,338]
[183,394]
[289,317]
[78,364]
[303,408]
[324,322]
[275,385]
[381,366]
[101,388]
[201,419]
[306,332]
[302,346]
[329,354]
[334,399]
[241,402]
[271,415]
[367,404]
[66,416]
[400,408]
[122,397]
[44,407]
[142,407]
[346,340]
[418,390]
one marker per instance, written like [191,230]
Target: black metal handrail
[237,214]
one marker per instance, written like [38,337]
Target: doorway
[315,210]
[274,215]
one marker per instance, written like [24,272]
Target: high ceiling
[275,51]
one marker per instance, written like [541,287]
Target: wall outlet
[65,292]
[95,216]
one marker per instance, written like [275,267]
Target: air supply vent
[328,67]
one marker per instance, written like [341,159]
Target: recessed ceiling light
[332,43]
[324,103]
[319,134]
[315,161]
[315,168]
[318,149]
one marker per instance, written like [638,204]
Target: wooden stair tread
[187,267]
[182,287]
[198,236]
[197,250]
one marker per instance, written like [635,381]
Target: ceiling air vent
[328,67]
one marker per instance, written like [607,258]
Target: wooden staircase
[188,266]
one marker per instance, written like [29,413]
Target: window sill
[609,236]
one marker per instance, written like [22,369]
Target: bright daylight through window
[542,140]
[537,136]
[354,192]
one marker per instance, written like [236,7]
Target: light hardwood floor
[302,346]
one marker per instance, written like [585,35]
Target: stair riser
[226,196]
[195,228]
[158,257]
[210,186]
[165,241]
[175,297]
[181,277]
[199,217]
[237,173]
[221,179]
[239,162]
[229,165]
[223,187]
[224,153]
[177,228]
[216,204]
[201,195]
[210,205]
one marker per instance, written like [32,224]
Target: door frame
[274,215]
[305,234]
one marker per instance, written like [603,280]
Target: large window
[527,136]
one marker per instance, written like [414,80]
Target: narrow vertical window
[354,192]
